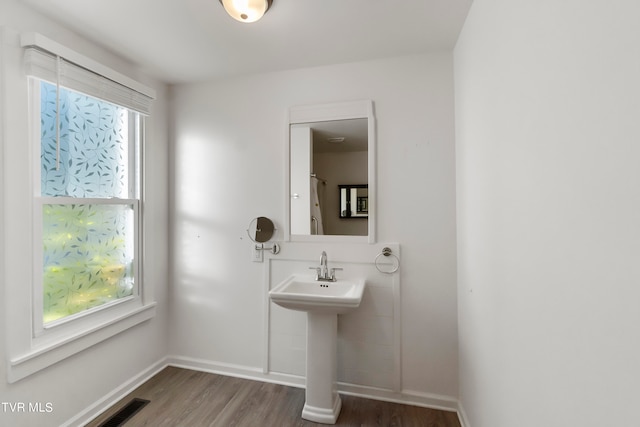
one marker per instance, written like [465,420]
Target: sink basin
[304,293]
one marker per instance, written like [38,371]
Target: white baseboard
[462,416]
[114,396]
[407,397]
[233,370]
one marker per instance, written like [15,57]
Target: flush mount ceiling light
[246,10]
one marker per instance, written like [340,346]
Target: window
[87,131]
[87,203]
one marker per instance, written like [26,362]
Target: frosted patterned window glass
[88,257]
[92,158]
[88,202]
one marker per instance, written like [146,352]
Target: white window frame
[48,344]
[45,332]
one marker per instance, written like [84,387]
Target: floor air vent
[123,415]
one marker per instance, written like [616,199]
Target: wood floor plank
[185,398]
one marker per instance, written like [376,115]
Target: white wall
[229,167]
[78,383]
[547,151]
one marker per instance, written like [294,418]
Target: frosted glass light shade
[246,10]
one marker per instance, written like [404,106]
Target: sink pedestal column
[323,402]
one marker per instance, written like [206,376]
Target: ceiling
[352,135]
[182,41]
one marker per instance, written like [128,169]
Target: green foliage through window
[87,257]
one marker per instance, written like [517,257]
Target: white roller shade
[44,65]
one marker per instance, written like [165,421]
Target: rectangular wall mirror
[331,163]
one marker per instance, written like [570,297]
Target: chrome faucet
[324,269]
[323,273]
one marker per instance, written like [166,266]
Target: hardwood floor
[185,398]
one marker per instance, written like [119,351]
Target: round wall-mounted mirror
[261,229]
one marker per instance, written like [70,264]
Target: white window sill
[46,355]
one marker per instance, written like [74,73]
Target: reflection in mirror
[326,153]
[329,145]
[354,201]
[261,229]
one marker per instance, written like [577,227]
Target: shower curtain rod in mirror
[313,175]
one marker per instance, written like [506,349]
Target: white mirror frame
[323,113]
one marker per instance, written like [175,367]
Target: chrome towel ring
[387,253]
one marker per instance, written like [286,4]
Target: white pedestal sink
[322,301]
